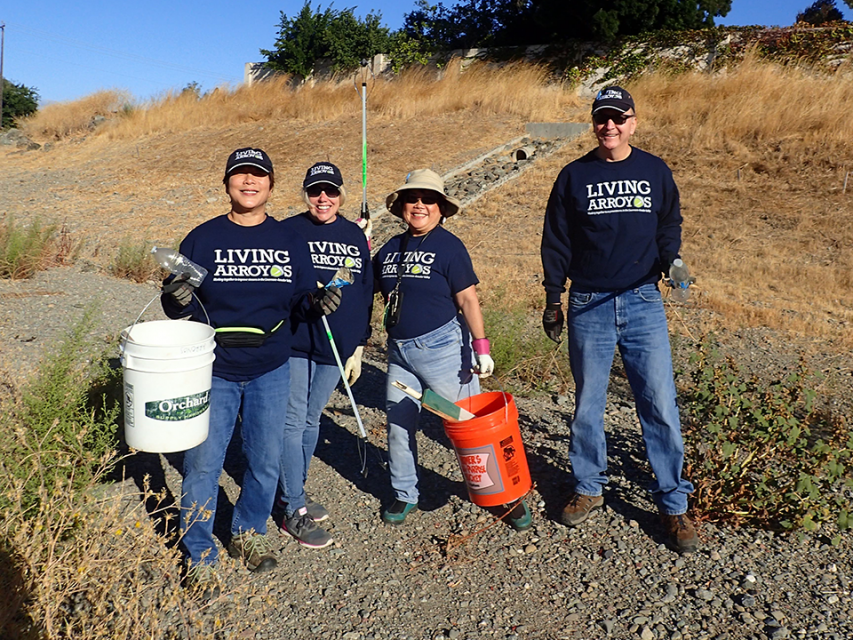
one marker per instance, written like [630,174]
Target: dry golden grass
[61,119]
[520,90]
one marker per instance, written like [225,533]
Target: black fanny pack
[244,336]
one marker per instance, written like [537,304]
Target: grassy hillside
[760,153]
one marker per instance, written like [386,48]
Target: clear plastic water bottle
[679,280]
[179,264]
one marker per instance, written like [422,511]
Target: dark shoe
[578,508]
[520,517]
[201,580]
[302,527]
[316,511]
[682,534]
[397,512]
[255,550]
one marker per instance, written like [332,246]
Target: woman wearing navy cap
[259,274]
[333,243]
[436,334]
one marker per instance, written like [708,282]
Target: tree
[820,12]
[18,101]
[517,22]
[336,35]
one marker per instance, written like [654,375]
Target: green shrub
[24,251]
[526,361]
[763,454]
[63,429]
[134,262]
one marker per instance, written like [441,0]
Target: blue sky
[67,50]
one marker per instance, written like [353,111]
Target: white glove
[352,369]
[366,226]
[485,365]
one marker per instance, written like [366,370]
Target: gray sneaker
[302,527]
[255,550]
[316,511]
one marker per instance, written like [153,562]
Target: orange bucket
[489,449]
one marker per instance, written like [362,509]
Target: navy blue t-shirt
[610,226]
[337,244]
[256,276]
[435,268]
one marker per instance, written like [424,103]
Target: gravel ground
[453,571]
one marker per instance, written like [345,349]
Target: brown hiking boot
[682,534]
[255,550]
[202,582]
[578,508]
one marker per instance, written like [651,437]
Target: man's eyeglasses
[603,118]
[411,198]
[316,190]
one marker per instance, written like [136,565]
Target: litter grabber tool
[343,277]
[363,221]
[440,406]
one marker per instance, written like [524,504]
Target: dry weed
[62,119]
[97,564]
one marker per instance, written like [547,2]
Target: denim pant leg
[202,468]
[311,384]
[264,407]
[440,360]
[592,343]
[644,345]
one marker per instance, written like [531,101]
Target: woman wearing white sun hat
[436,334]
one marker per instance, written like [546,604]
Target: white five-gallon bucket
[168,372]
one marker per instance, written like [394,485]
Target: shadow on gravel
[338,448]
[548,458]
[142,464]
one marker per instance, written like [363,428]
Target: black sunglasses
[427,200]
[314,191]
[603,118]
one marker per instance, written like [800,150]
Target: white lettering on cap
[249,153]
[611,94]
[323,168]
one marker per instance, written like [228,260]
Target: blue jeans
[635,321]
[440,360]
[264,402]
[311,384]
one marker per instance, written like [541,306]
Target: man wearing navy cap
[612,227]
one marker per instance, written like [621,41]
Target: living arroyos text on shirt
[333,255]
[619,196]
[417,264]
[252,264]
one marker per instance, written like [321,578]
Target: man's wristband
[481,346]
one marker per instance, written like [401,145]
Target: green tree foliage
[337,35]
[472,23]
[821,11]
[18,101]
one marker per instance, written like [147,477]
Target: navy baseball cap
[613,97]
[248,157]
[323,172]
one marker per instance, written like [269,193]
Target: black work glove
[552,321]
[180,290]
[325,301]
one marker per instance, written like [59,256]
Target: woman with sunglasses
[436,335]
[333,243]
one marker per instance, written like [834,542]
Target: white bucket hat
[425,179]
